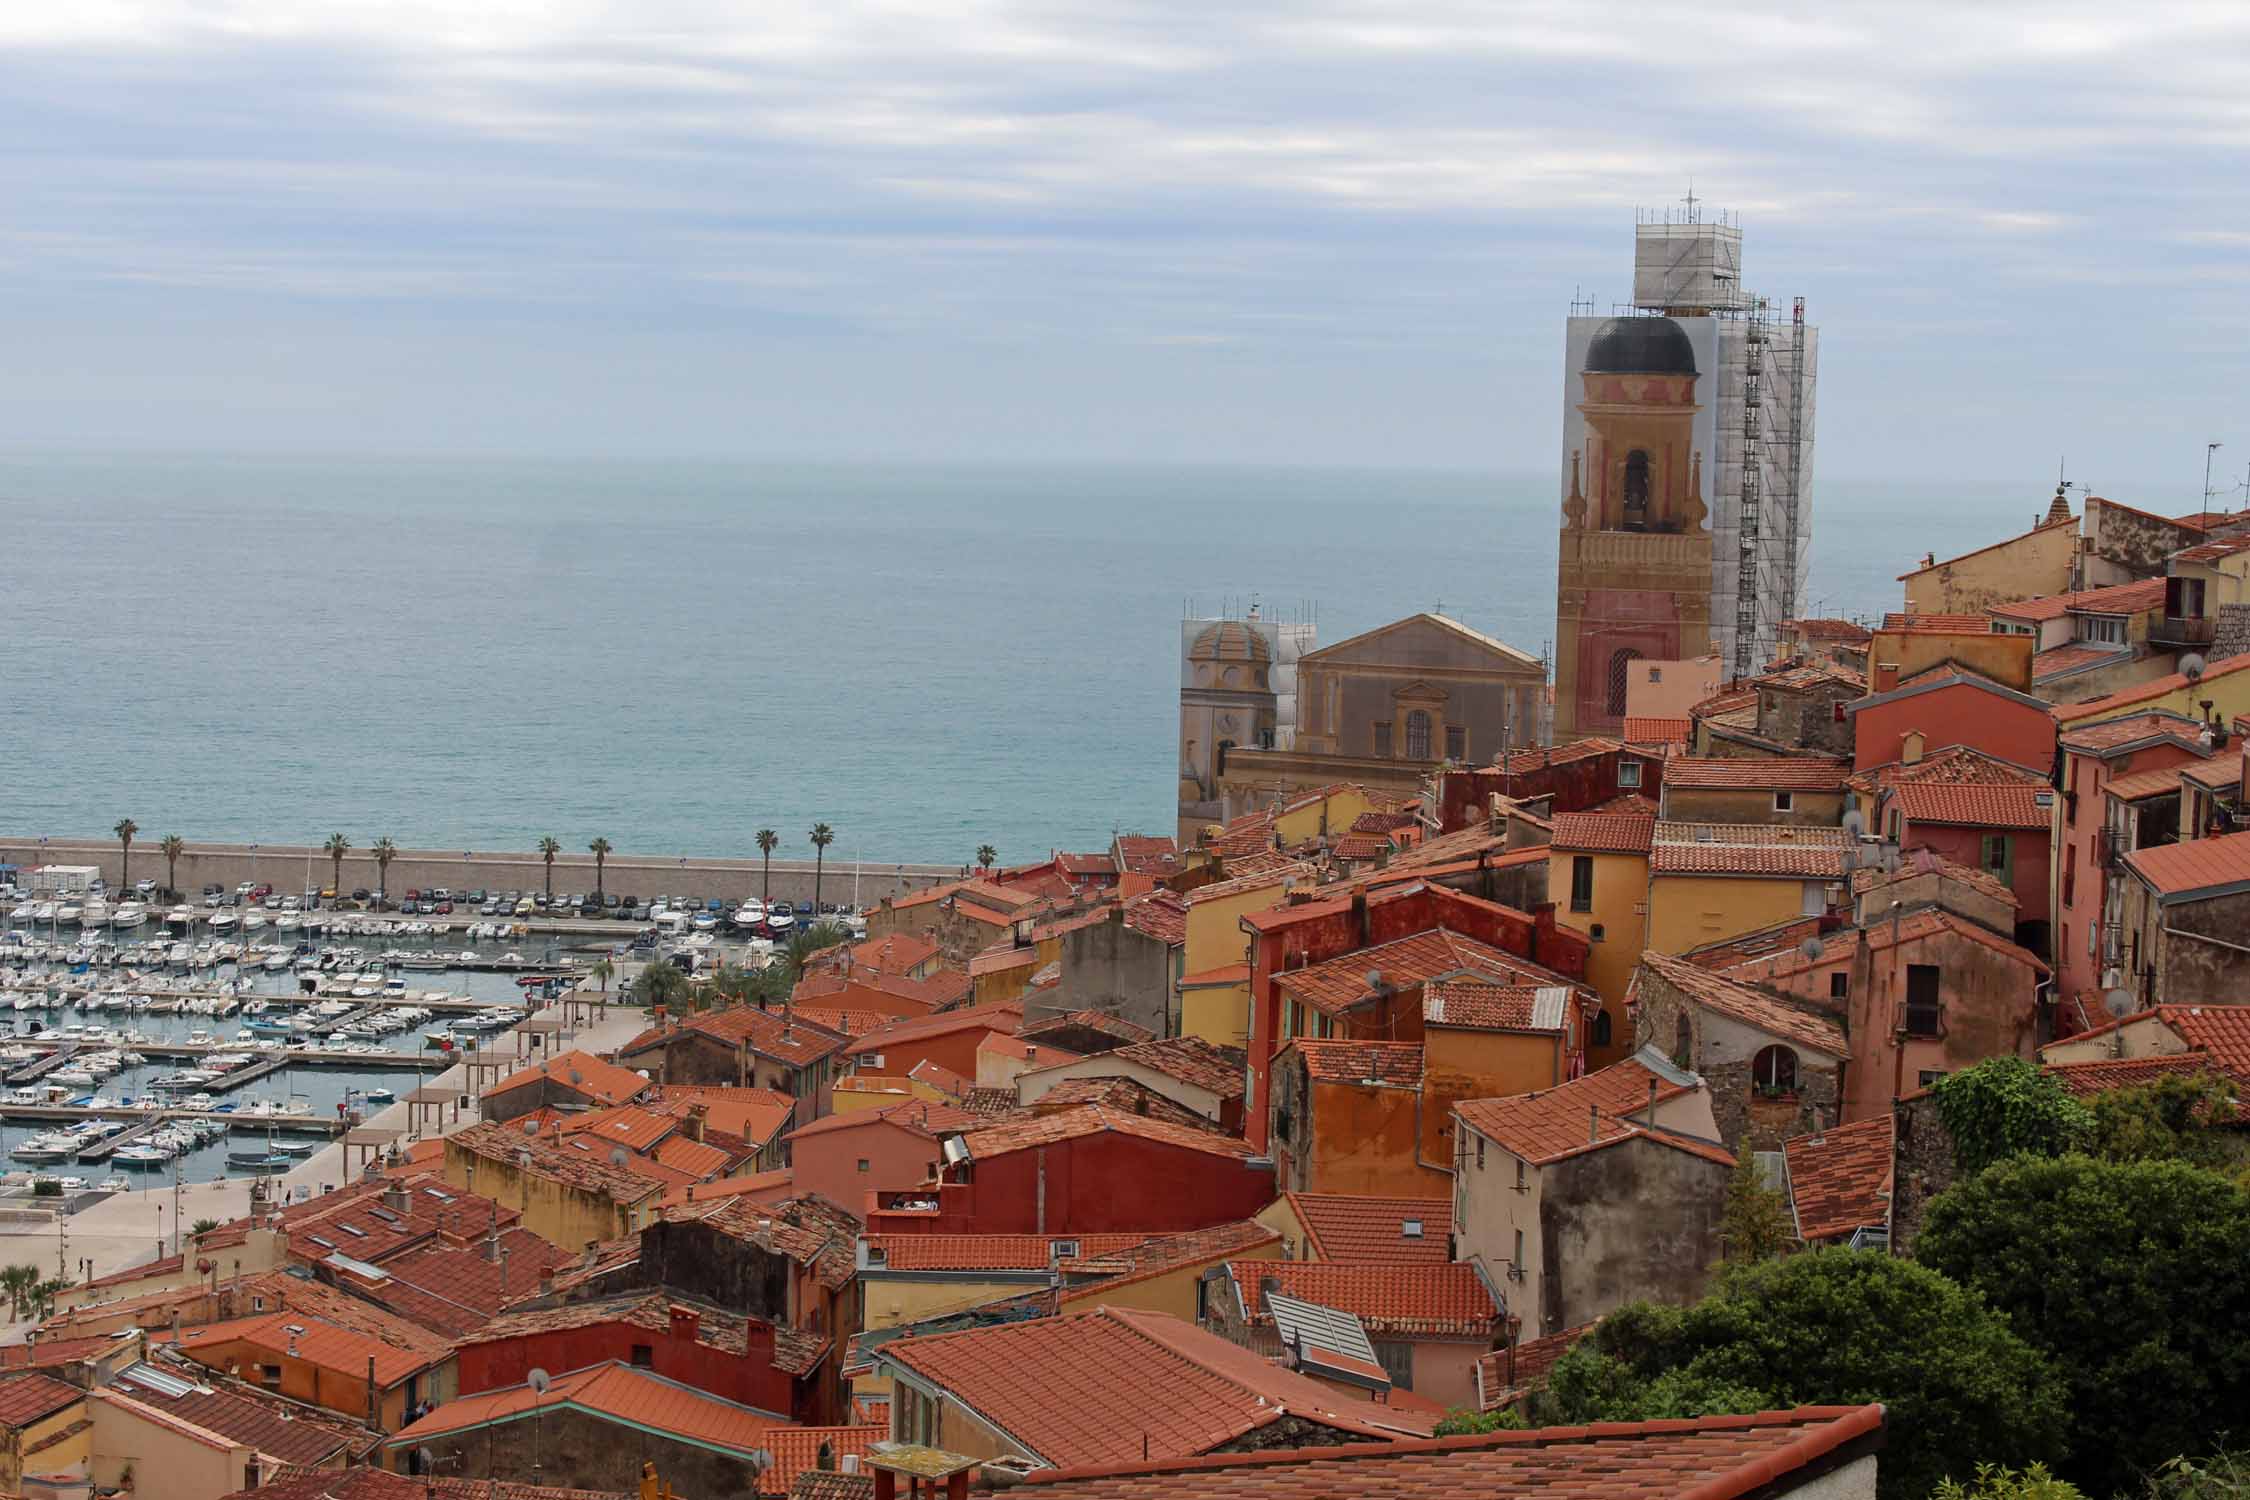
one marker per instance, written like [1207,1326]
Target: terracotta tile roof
[2139,784]
[1002,958]
[1954,763]
[2061,661]
[1503,1375]
[1793,773]
[1341,983]
[2111,735]
[2144,692]
[759,1186]
[1805,675]
[1217,974]
[835,987]
[798,1450]
[2213,551]
[1726,700]
[1385,822]
[1338,1060]
[1551,1124]
[2179,872]
[553,1159]
[1447,1299]
[2022,806]
[2105,1074]
[1589,747]
[1003,1017]
[1655,731]
[582,1073]
[717,1328]
[51,1351]
[1246,885]
[893,953]
[2118,599]
[1785,1019]
[629,1126]
[1160,914]
[1116,1385]
[1090,1120]
[1191,1060]
[31,1397]
[1840,1178]
[1477,1004]
[833,1484]
[1160,1255]
[1362,846]
[1918,860]
[1085,864]
[2218,1034]
[1343,1226]
[753,1114]
[1816,629]
[1124,1032]
[1748,849]
[237,1412]
[1146,854]
[291,1482]
[341,1350]
[983,1252]
[452,1290]
[794,1041]
[808,1229]
[285,1292]
[1605,832]
[1905,624]
[1741,961]
[617,1391]
[1708,1458]
[1128,1095]
[1001,1044]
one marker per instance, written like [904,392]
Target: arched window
[1601,1028]
[1620,668]
[1774,1070]
[1683,1040]
[1418,734]
[1636,491]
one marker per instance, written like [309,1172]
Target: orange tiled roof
[582,1073]
[301,1336]
[1503,1374]
[26,1398]
[555,1159]
[618,1391]
[983,1252]
[1643,730]
[453,1289]
[2144,692]
[1792,773]
[1344,1226]
[2117,599]
[2219,1034]
[2018,805]
[1125,1033]
[2152,783]
[798,1450]
[1159,1255]
[1481,1005]
[1116,1385]
[1448,1298]
[1840,1178]
[2060,661]
[1784,1019]
[1121,1093]
[1089,1120]
[1748,849]
[2198,868]
[2110,735]
[1146,854]
[1581,1115]
[1160,914]
[1905,624]
[1191,1060]
[1341,983]
[1003,1017]
[753,1114]
[1599,832]
[1340,1060]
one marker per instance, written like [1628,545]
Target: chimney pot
[1593,1124]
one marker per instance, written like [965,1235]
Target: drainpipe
[1042,1205]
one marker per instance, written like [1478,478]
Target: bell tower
[1634,572]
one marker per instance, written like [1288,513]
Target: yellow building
[1215,961]
[1166,1275]
[1597,875]
[2224,684]
[45,1431]
[1711,881]
[563,1195]
[2040,561]
[1907,645]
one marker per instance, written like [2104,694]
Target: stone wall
[1117,970]
[2202,961]
[1921,1167]
[1636,1220]
[570,1449]
[1723,1051]
[700,1261]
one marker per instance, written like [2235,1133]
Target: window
[644,1355]
[1895,827]
[1517,1263]
[1224,747]
[1628,773]
[1774,1070]
[1784,801]
[1063,1249]
[1839,986]
[1383,739]
[1411,1229]
[2183,598]
[2070,875]
[1418,734]
[1636,491]
[1930,1076]
[1999,851]
[1480,1153]
[1601,1028]
[1596,932]
[2074,776]
[2107,630]
[1521,1184]
[1656,674]
[1581,882]
[1620,667]
[863,1164]
[1922,1004]
[1683,1040]
[877,1257]
[1456,743]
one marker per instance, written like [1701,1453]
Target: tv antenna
[2210,451]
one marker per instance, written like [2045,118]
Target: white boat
[117,1184]
[67,914]
[50,1146]
[224,921]
[139,1155]
[129,914]
[180,919]
[253,921]
[750,913]
[94,912]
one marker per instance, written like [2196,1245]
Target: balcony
[2182,632]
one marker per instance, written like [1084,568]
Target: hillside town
[1469,1127]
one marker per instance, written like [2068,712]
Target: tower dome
[1640,346]
[1230,640]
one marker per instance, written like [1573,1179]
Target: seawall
[291,867]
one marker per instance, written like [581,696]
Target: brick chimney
[685,1322]
[698,1117]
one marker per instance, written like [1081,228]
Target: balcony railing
[2182,630]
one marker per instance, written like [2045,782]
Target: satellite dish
[1855,822]
[523,1157]
[530,1127]
[1811,948]
[576,1076]
[426,1459]
[538,1380]
[1374,979]
[761,1459]
[2191,666]
[2118,1003]
[617,1156]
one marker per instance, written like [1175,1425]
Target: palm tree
[599,848]
[548,849]
[986,854]
[16,1283]
[602,971]
[384,851]
[768,841]
[172,847]
[661,982]
[822,837]
[336,848]
[125,830]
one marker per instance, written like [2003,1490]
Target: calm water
[673,656]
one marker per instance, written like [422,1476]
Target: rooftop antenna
[538,1380]
[2210,450]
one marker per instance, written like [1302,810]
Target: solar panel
[160,1381]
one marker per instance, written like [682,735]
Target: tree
[822,837]
[1994,1482]
[16,1284]
[336,848]
[986,854]
[768,841]
[1460,1421]
[603,971]
[2006,1105]
[2129,1275]
[1755,1224]
[2223,1475]
[1828,1327]
[549,847]
[2170,1118]
[660,982]
[599,848]
[202,1227]
[125,830]
[172,846]
[384,851]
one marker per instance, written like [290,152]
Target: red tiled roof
[1505,1374]
[1146,854]
[1780,1018]
[1748,849]
[2144,692]
[1343,1226]
[1085,864]
[798,1450]
[453,1289]
[2213,551]
[1160,914]
[581,1073]
[2111,734]
[2139,784]
[291,1482]
[1129,1095]
[1447,1298]
[1125,1033]
[1840,1178]
[1555,1123]
[1703,1458]
[1191,1060]
[1816,629]
[1605,832]
[1792,773]
[1002,1017]
[1340,1060]
[1218,974]
[1656,731]
[2102,1075]
[613,1390]
[1341,983]
[753,1114]
[1160,1255]
[1905,624]
[302,1336]
[1478,1004]
[984,1252]
[2060,661]
[2219,1034]
[2178,871]
[754,1185]
[2117,599]
[2017,805]
[551,1158]
[266,1424]
[1089,1120]
[836,986]
[29,1397]
[1116,1385]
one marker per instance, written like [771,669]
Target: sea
[671,656]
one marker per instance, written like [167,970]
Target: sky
[1324,232]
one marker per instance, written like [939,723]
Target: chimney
[546,1280]
[395,1199]
[1651,1121]
[1030,1052]
[1593,1124]
[1359,915]
[685,1322]
[697,1118]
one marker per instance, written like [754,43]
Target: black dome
[1640,346]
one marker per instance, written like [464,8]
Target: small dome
[1640,346]
[1230,640]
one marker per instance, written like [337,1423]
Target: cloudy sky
[1319,231]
